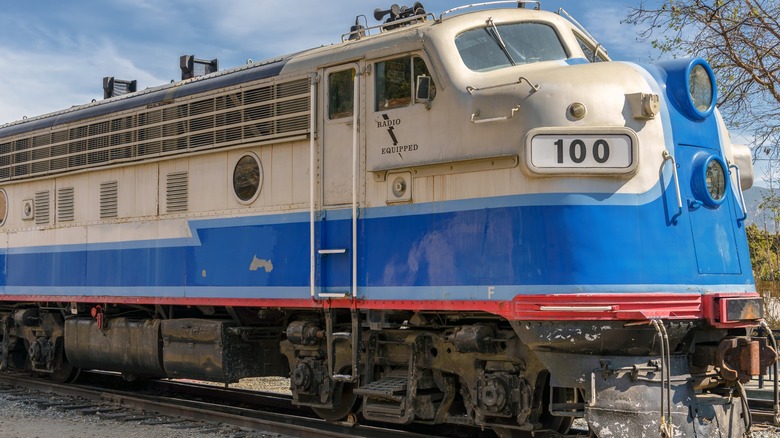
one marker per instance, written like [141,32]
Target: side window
[396,82]
[593,55]
[341,94]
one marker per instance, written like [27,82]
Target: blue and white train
[475,218]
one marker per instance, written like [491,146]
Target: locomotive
[475,218]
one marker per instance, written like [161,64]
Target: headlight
[710,179]
[715,180]
[701,88]
[690,84]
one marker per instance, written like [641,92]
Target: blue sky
[54,54]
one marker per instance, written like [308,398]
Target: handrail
[519,4]
[534,87]
[312,181]
[669,157]
[512,112]
[562,12]
[741,196]
[355,152]
[381,27]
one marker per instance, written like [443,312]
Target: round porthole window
[247,178]
[3,206]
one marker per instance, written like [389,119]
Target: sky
[54,54]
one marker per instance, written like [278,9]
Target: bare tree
[741,41]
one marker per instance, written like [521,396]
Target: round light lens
[700,88]
[715,180]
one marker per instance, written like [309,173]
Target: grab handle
[474,116]
[740,195]
[668,157]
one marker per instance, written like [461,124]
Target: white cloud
[47,81]
[56,57]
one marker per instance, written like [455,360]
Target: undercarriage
[473,369]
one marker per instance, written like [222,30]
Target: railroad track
[265,413]
[255,412]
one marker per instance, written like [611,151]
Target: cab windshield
[498,46]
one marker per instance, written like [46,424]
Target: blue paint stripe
[548,199]
[445,255]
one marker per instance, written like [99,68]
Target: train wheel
[551,425]
[553,422]
[344,400]
[65,373]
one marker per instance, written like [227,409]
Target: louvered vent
[42,207]
[108,199]
[65,200]
[176,191]
[258,112]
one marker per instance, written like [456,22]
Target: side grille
[108,199]
[42,209]
[259,112]
[65,201]
[177,191]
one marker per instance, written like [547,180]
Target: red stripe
[574,307]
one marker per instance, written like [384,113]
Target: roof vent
[192,67]
[116,87]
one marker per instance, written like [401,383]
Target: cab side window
[341,92]
[396,82]
[593,54]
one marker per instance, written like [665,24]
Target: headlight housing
[710,179]
[691,87]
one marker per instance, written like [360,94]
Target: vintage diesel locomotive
[474,218]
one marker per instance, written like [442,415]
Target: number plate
[582,153]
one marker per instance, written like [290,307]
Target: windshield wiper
[493,31]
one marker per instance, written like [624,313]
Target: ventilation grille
[176,191]
[254,114]
[65,200]
[42,207]
[108,199]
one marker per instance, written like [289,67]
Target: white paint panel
[207,179]
[141,230]
[300,172]
[47,237]
[277,167]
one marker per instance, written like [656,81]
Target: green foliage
[764,248]
[741,41]
[765,257]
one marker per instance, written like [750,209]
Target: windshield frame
[511,61]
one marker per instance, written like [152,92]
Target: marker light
[710,179]
[715,179]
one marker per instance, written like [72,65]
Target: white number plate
[581,153]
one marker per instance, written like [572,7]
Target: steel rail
[271,422]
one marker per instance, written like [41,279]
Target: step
[388,388]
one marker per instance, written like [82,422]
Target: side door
[339,161]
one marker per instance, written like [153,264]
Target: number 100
[578,151]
